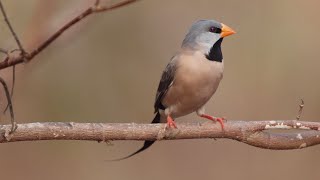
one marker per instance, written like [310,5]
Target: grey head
[204,34]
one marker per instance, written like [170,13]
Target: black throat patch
[215,53]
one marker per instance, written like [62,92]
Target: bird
[191,77]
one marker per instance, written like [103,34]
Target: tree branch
[250,132]
[96,8]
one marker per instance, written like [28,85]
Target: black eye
[215,29]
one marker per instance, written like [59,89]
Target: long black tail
[146,144]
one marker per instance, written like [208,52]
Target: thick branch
[249,132]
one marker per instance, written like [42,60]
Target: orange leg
[220,120]
[170,122]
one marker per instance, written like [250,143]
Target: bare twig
[9,97]
[96,8]
[300,110]
[6,90]
[24,56]
[13,76]
[99,8]
[11,29]
[249,132]
[12,87]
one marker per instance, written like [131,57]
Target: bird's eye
[215,29]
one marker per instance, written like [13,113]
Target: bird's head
[206,36]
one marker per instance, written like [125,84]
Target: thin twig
[13,79]
[12,87]
[300,110]
[96,8]
[6,90]
[15,36]
[249,132]
[99,8]
[22,54]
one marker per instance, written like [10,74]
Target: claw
[220,120]
[170,122]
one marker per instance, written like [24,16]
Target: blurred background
[107,68]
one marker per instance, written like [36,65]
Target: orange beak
[226,31]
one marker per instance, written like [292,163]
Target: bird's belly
[189,93]
[193,99]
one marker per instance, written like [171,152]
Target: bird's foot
[220,120]
[171,123]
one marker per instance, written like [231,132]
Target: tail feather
[146,144]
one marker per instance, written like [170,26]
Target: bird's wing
[166,81]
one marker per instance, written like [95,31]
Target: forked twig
[96,8]
[21,49]
[6,90]
[12,86]
[13,80]
[24,56]
[5,85]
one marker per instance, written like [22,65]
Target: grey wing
[165,82]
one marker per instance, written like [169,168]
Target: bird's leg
[220,120]
[200,112]
[170,122]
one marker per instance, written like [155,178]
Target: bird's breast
[196,80]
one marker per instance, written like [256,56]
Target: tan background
[107,68]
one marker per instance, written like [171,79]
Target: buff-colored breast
[196,80]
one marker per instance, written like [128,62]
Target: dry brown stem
[250,132]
